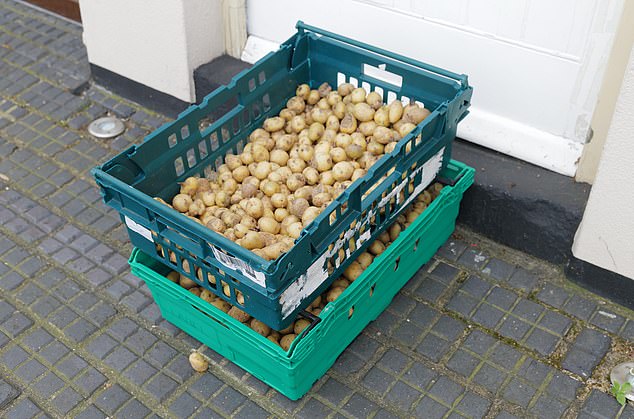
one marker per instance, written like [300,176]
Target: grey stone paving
[480,331]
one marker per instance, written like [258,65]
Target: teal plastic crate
[294,372]
[275,291]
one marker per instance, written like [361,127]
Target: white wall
[156,43]
[536,65]
[606,234]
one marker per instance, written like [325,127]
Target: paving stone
[563,387]
[80,330]
[348,363]
[161,353]
[463,363]
[490,377]
[205,386]
[66,400]
[122,328]
[30,370]
[523,280]
[120,358]
[593,342]
[555,322]
[161,386]
[430,408]
[71,365]
[403,395]
[49,384]
[7,393]
[334,391]
[473,405]
[607,320]
[134,409]
[553,295]
[377,381]
[91,412]
[16,324]
[359,406]
[473,259]
[501,298]
[228,400]
[601,405]
[89,381]
[542,342]
[54,351]
[314,409]
[580,307]
[180,369]
[452,249]
[25,408]
[112,399]
[101,345]
[251,410]
[446,390]
[488,316]
[518,392]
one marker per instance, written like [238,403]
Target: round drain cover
[106,127]
[624,373]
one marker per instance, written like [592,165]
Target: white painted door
[536,65]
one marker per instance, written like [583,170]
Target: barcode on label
[239,265]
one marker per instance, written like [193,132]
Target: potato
[286,341]
[252,240]
[365,259]
[405,129]
[338,154]
[185,282]
[358,95]
[221,305]
[415,114]
[254,208]
[339,110]
[322,161]
[296,104]
[309,215]
[303,91]
[198,362]
[181,202]
[342,171]
[313,97]
[367,128]
[298,206]
[363,112]
[345,89]
[394,230]
[315,131]
[374,99]
[300,325]
[353,271]
[348,124]
[383,135]
[295,182]
[238,314]
[173,276]
[259,327]
[376,248]
[269,225]
[395,111]
[216,224]
[334,293]
[273,124]
[375,148]
[294,230]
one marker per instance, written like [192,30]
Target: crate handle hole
[372,290]
[212,318]
[416,244]
[350,312]
[398,260]
[380,73]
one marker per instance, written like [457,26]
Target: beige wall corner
[610,87]
[606,232]
[235,26]
[155,43]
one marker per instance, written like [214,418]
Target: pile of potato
[295,165]
[285,337]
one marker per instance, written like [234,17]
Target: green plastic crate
[294,373]
[275,291]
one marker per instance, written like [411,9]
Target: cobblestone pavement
[481,331]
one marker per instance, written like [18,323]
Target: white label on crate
[239,265]
[317,273]
[138,228]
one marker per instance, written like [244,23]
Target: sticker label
[138,228]
[317,273]
[239,265]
